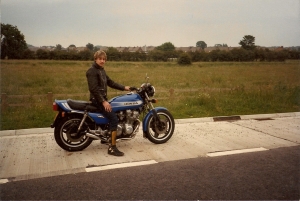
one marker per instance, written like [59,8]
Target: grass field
[200,90]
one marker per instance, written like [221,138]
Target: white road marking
[223,153]
[121,165]
[3,181]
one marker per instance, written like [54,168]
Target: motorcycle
[78,123]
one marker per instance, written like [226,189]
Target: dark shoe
[113,150]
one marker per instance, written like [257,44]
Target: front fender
[147,117]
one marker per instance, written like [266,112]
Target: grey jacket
[98,82]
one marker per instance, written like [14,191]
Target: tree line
[238,54]
[13,46]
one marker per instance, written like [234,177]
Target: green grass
[226,103]
[217,88]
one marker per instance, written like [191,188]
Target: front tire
[67,137]
[159,134]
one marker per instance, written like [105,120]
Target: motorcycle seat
[82,105]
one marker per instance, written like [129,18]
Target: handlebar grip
[133,89]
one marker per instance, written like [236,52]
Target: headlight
[148,88]
[151,91]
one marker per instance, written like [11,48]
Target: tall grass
[217,88]
[226,103]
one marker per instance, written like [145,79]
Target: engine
[128,122]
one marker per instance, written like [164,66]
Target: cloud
[153,22]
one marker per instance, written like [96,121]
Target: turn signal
[154,101]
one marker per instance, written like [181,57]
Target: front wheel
[67,136]
[160,132]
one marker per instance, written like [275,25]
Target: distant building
[122,49]
[189,49]
[135,49]
[103,48]
[80,49]
[209,49]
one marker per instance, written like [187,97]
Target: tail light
[55,106]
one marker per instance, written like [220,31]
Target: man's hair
[100,54]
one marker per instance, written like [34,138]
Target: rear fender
[60,115]
[57,118]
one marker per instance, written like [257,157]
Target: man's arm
[114,85]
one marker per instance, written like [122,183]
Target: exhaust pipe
[123,139]
[92,136]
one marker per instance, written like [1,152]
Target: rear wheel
[160,132]
[67,136]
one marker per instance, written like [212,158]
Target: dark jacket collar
[95,65]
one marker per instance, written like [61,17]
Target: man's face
[100,61]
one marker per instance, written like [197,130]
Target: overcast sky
[154,22]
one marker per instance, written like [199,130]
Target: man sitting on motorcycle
[97,83]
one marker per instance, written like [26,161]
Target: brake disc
[72,133]
[161,127]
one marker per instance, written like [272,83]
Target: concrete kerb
[241,117]
[177,121]
[194,120]
[271,116]
[26,131]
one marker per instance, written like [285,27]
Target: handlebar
[133,89]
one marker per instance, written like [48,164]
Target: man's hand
[106,106]
[127,88]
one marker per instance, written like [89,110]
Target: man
[98,82]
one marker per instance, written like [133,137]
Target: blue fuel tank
[129,101]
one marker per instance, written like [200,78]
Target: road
[33,167]
[267,175]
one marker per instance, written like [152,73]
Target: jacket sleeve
[114,85]
[94,87]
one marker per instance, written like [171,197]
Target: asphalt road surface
[266,175]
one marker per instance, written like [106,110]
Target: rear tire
[67,137]
[160,134]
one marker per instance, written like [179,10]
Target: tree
[72,47]
[42,54]
[157,55]
[201,44]
[221,45]
[214,55]
[13,44]
[199,56]
[248,42]
[90,46]
[242,55]
[28,54]
[184,59]
[85,55]
[58,47]
[166,47]
[96,48]
[113,54]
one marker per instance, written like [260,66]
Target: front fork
[156,117]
